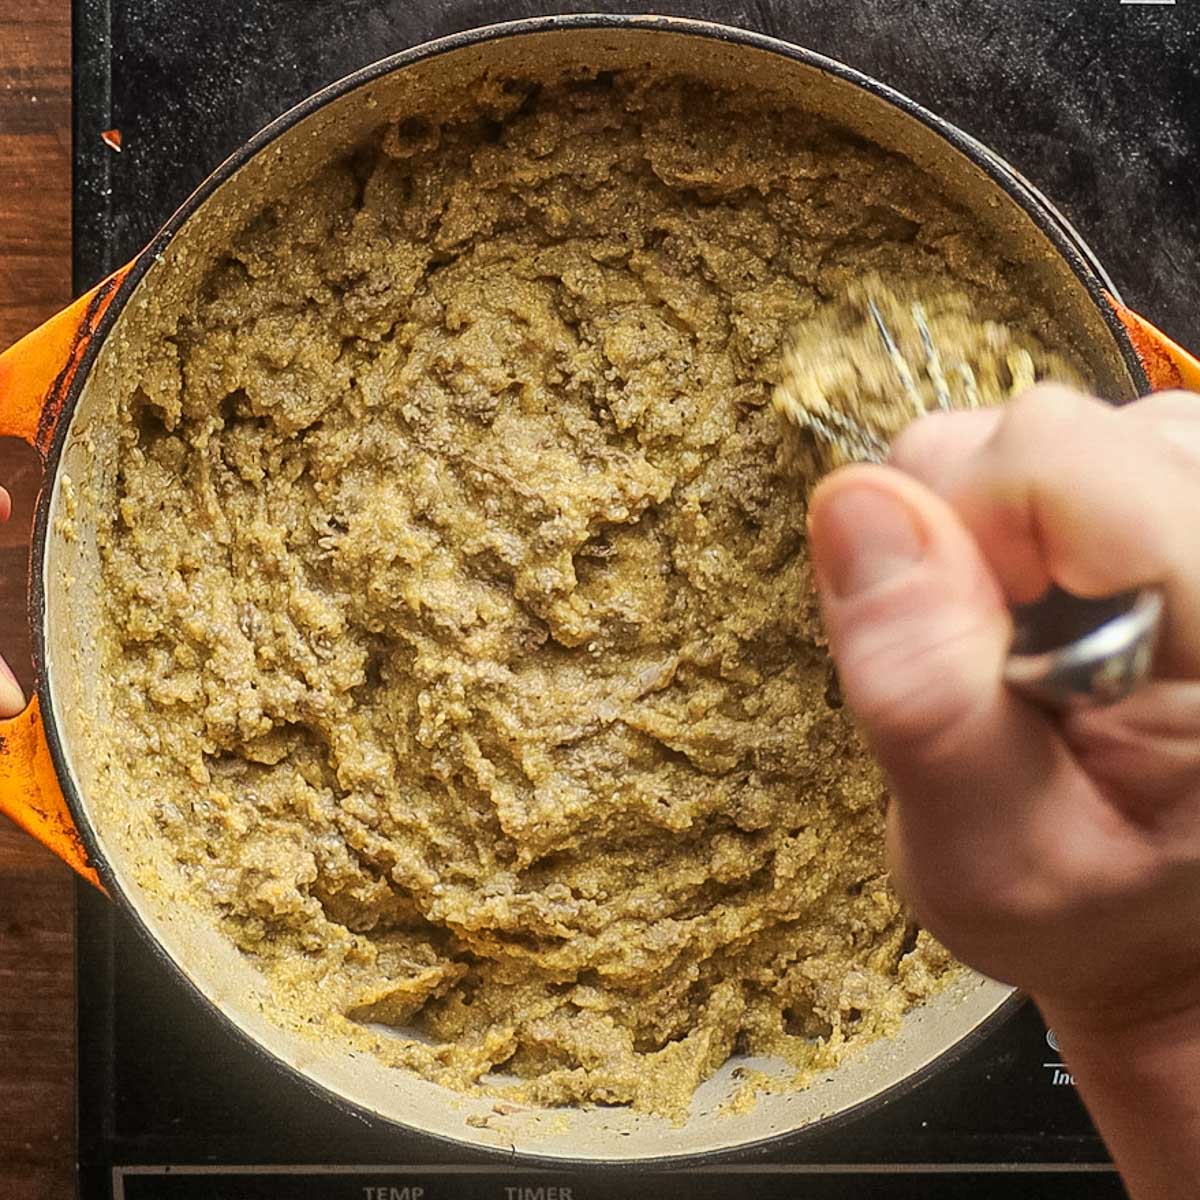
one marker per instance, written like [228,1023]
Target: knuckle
[917,443]
[938,447]
[1036,416]
[1174,402]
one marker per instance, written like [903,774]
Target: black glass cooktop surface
[1099,105]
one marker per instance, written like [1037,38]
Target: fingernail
[862,536]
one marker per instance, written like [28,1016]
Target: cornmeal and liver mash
[466,643]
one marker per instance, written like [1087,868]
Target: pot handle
[35,377]
[1167,365]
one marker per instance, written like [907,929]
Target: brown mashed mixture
[465,635]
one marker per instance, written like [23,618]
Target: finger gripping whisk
[864,367]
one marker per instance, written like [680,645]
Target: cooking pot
[56,391]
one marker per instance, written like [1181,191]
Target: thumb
[12,698]
[919,630]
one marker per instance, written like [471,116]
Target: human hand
[1059,854]
[12,699]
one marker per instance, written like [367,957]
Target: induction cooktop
[1098,105]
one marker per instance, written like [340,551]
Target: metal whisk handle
[1069,652]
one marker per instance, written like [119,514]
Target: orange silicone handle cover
[35,377]
[1167,365]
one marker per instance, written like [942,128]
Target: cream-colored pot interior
[139,861]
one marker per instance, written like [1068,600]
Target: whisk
[882,356]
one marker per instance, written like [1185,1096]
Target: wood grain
[36,891]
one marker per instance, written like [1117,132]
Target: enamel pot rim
[1050,223]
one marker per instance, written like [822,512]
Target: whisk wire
[970,384]
[933,360]
[898,361]
[837,429]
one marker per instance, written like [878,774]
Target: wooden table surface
[36,891]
